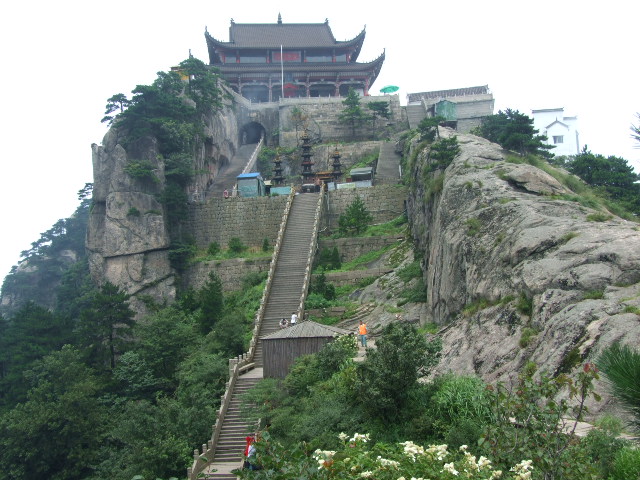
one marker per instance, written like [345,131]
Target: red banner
[287,56]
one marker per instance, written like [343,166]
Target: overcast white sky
[63,59]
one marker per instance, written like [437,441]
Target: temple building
[266,61]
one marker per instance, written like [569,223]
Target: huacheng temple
[266,61]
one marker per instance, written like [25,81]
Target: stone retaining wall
[353,247]
[250,219]
[349,278]
[324,121]
[231,272]
[384,202]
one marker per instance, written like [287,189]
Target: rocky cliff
[517,270]
[128,237]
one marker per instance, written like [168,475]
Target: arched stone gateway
[251,133]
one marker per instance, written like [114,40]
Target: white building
[561,131]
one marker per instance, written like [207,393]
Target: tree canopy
[513,131]
[612,176]
[353,114]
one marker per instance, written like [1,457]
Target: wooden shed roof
[307,329]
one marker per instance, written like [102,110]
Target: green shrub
[410,271]
[626,464]
[570,360]
[355,218]
[236,246]
[525,305]
[141,169]
[315,300]
[133,212]
[329,259]
[265,245]
[602,448]
[213,249]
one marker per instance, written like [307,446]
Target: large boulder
[500,235]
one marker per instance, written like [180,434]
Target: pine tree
[355,219]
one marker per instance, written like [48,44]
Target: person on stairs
[294,319]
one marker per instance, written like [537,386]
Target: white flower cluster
[387,463]
[472,463]
[451,468]
[366,474]
[522,470]
[412,478]
[411,449]
[323,456]
[439,451]
[362,437]
[343,436]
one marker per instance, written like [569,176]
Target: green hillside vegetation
[332,417]
[84,390]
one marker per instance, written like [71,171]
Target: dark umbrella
[389,89]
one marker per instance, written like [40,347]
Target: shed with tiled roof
[281,348]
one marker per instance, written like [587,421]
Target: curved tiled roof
[317,69]
[289,35]
[308,329]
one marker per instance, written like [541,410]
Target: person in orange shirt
[362,331]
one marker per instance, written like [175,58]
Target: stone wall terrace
[384,202]
[250,219]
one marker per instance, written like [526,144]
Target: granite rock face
[128,237]
[498,235]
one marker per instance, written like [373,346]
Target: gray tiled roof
[455,92]
[307,329]
[289,35]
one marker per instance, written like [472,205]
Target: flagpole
[281,71]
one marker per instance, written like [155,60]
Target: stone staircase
[284,298]
[226,177]
[288,276]
[415,113]
[388,167]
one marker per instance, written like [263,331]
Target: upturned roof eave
[356,43]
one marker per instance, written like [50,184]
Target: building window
[558,139]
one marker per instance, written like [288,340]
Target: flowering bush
[359,458]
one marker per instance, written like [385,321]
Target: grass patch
[598,217]
[410,271]
[527,335]
[226,254]
[475,306]
[525,305]
[473,226]
[415,294]
[367,160]
[397,226]
[631,309]
[568,236]
[428,328]
[433,186]
[593,295]
[360,263]
[392,309]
